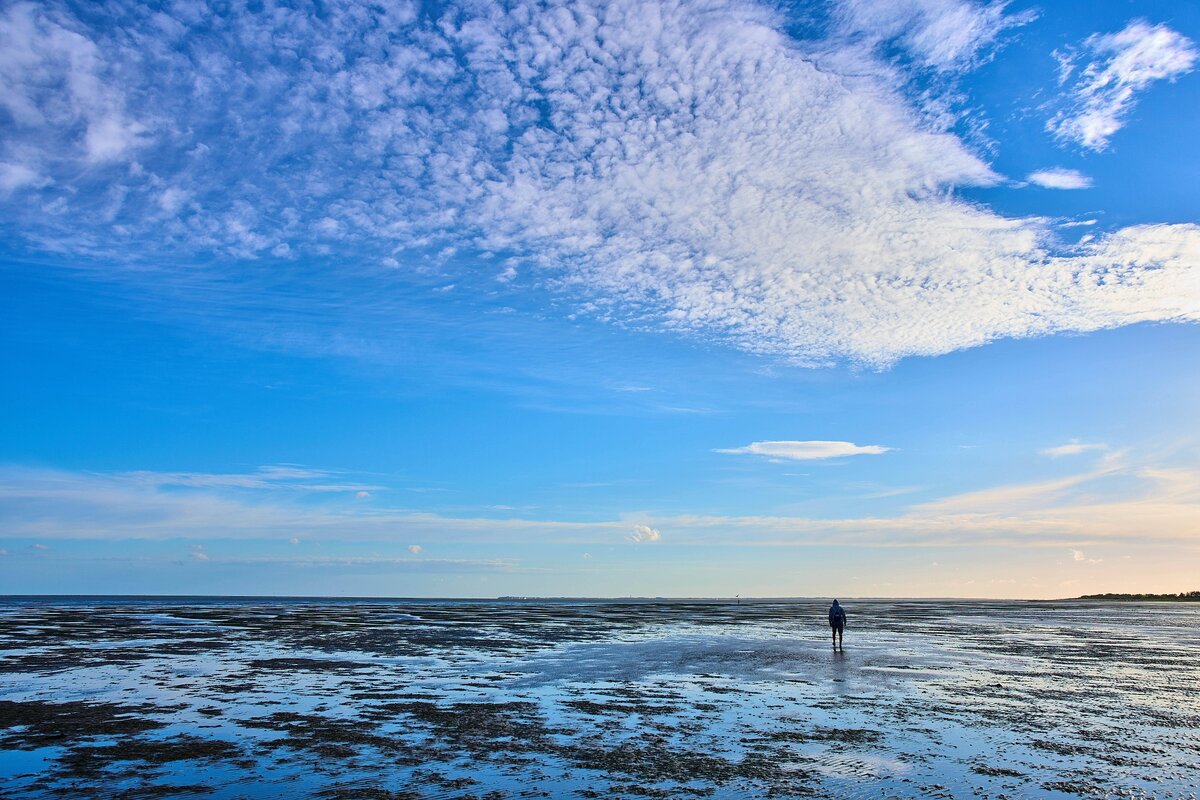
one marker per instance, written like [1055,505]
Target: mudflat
[138,698]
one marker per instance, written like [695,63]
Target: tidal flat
[413,699]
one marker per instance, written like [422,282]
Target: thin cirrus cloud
[1148,503]
[1108,72]
[1059,178]
[805,451]
[1073,448]
[682,166]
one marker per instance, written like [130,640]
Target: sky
[705,298]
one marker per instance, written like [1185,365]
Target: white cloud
[57,84]
[644,533]
[1112,501]
[14,176]
[415,549]
[362,494]
[1072,448]
[786,196]
[805,451]
[1118,66]
[944,34]
[1059,178]
[172,199]
[294,540]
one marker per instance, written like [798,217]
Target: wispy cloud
[1072,448]
[944,34]
[1112,500]
[785,196]
[805,451]
[1109,71]
[1059,178]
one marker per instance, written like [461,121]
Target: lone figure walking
[837,622]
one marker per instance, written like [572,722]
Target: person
[837,622]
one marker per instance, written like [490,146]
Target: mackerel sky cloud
[687,166]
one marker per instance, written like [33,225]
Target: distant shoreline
[1182,597]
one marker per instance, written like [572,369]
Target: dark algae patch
[32,724]
[433,700]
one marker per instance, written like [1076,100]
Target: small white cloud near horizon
[38,547]
[1059,178]
[644,533]
[198,553]
[1081,557]
[415,549]
[1120,66]
[1073,448]
[805,451]
[294,540]
[362,494]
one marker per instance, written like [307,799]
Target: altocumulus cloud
[805,451]
[682,165]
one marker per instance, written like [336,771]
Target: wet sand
[424,699]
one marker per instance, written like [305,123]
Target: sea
[405,699]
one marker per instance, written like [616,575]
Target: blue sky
[704,298]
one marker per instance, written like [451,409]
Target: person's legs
[833,629]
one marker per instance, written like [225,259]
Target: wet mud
[409,700]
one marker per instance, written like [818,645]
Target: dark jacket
[837,616]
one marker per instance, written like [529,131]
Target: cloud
[1072,448]
[40,547]
[1059,178]
[1118,67]
[56,84]
[1080,556]
[805,451]
[1113,500]
[944,34]
[786,196]
[644,533]
[14,176]
[294,540]
[362,494]
[415,549]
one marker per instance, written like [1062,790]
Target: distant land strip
[1185,597]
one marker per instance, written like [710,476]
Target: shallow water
[430,699]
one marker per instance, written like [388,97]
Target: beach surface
[137,698]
